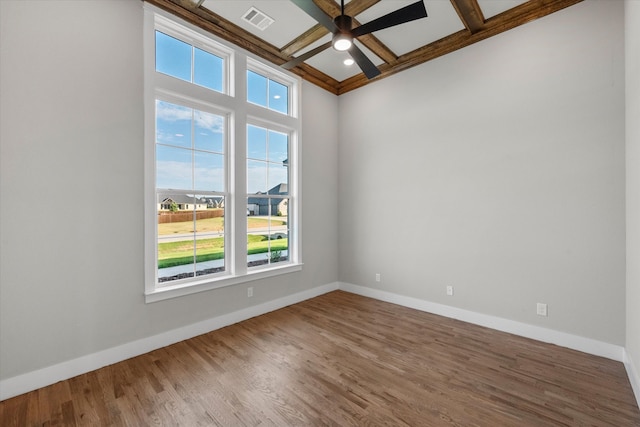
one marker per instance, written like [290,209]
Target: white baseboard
[562,339]
[36,379]
[632,373]
[42,377]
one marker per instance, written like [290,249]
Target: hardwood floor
[342,359]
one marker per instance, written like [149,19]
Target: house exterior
[213,201]
[263,204]
[186,202]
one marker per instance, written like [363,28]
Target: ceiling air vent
[257,19]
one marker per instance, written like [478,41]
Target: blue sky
[189,150]
[190,143]
[266,152]
[267,93]
[173,57]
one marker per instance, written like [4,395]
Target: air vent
[257,19]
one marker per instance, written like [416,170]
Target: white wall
[632,62]
[71,189]
[498,169]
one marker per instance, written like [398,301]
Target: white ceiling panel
[494,7]
[290,20]
[442,21]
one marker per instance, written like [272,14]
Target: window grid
[278,233]
[176,267]
[270,202]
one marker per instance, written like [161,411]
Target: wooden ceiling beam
[519,15]
[317,77]
[470,14]
[310,36]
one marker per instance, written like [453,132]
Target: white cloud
[172,174]
[209,121]
[173,113]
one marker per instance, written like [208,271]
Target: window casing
[207,223]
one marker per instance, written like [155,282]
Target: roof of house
[280,189]
[189,198]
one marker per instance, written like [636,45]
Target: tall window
[220,172]
[191,191]
[268,196]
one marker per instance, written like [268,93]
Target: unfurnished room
[320,212]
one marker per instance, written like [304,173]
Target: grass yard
[172,254]
[214,225]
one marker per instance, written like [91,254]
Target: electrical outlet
[377,277]
[449,290]
[250,291]
[541,309]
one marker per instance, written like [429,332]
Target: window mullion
[239,166]
[195,240]
[239,173]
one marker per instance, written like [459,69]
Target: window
[267,93]
[186,62]
[221,179]
[268,196]
[190,188]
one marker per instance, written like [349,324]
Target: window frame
[239,113]
[291,207]
[172,28]
[215,110]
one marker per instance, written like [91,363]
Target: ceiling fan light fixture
[342,42]
[344,34]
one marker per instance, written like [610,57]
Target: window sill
[168,292]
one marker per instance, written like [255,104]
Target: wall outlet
[541,309]
[377,277]
[449,290]
[250,291]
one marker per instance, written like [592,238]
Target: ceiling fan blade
[409,13]
[368,68]
[300,59]
[316,13]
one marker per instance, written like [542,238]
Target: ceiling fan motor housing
[343,22]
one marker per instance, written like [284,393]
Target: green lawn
[172,254]
[214,224]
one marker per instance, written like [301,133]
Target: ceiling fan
[343,34]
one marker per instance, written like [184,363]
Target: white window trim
[239,113]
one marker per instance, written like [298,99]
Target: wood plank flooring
[339,360]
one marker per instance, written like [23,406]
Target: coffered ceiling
[449,26]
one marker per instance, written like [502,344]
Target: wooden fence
[168,217]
